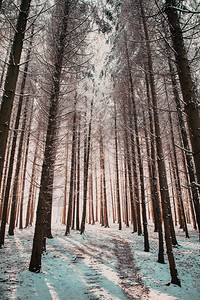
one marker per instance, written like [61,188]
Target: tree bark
[188,154]
[186,82]
[176,167]
[117,172]
[133,214]
[5,175]
[32,182]
[102,164]
[25,168]
[126,215]
[133,118]
[152,163]
[65,184]
[11,79]
[78,176]
[19,155]
[44,207]
[86,169]
[154,181]
[161,164]
[112,197]
[11,166]
[72,173]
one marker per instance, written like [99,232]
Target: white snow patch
[87,267]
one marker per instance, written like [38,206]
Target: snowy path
[75,267]
[109,269]
[102,264]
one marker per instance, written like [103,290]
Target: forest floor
[103,263]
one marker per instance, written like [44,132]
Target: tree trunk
[154,181]
[78,176]
[74,188]
[190,164]
[72,174]
[112,196]
[10,168]
[101,200]
[15,194]
[86,168]
[173,193]
[45,194]
[176,167]
[187,85]
[44,207]
[19,155]
[133,214]
[161,164]
[32,182]
[96,195]
[65,185]
[126,192]
[4,67]
[5,175]
[11,80]
[132,112]
[25,168]
[102,163]
[91,199]
[152,163]
[117,172]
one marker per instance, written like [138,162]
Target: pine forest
[99,149]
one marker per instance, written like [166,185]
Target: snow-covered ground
[104,263]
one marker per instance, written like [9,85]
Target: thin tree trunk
[133,214]
[96,194]
[189,196]
[117,172]
[126,191]
[180,220]
[86,167]
[32,182]
[15,194]
[78,175]
[25,168]
[102,163]
[65,184]
[152,213]
[72,173]
[176,167]
[91,199]
[4,67]
[132,112]
[101,201]
[112,196]
[152,162]
[74,189]
[154,181]
[173,193]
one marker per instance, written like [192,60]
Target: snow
[103,263]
